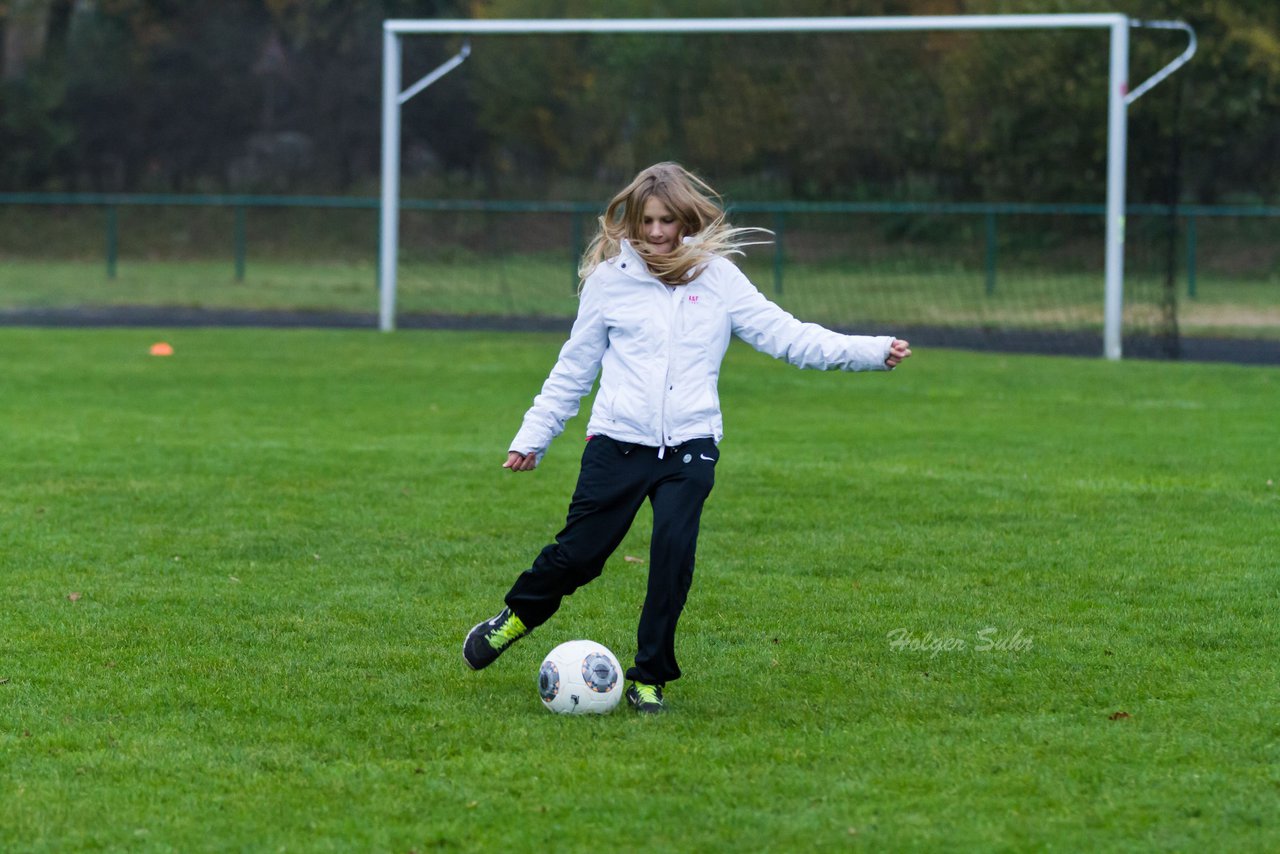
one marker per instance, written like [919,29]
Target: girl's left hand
[898,351]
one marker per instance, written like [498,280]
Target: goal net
[960,180]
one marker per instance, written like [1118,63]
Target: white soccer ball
[580,677]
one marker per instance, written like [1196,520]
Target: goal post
[1119,97]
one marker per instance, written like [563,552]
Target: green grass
[466,287]
[887,270]
[886,293]
[279,539]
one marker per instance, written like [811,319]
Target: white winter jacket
[661,350]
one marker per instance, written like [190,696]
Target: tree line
[283,96]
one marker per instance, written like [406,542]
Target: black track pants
[616,478]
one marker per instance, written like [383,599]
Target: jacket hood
[628,261]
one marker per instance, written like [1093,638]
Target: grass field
[981,603]
[919,293]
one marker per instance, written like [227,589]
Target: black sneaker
[645,698]
[489,639]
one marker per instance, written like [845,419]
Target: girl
[658,302]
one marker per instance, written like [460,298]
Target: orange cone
[161,348]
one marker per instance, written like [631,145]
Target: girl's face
[659,227]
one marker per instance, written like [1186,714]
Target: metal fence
[777,215]
[1012,268]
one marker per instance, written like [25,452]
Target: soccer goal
[501,35]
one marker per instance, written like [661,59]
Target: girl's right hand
[517,461]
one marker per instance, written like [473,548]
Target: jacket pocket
[700,410]
[703,321]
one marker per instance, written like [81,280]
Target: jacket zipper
[676,298]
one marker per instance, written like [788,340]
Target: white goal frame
[1118,100]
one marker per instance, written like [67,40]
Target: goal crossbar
[518,26]
[1119,97]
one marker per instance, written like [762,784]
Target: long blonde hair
[698,210]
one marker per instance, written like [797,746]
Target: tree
[283,96]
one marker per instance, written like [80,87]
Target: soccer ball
[580,677]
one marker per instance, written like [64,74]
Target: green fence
[851,264]
[1189,218]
